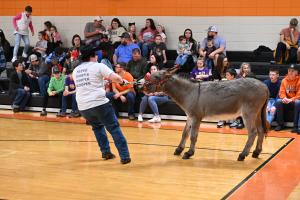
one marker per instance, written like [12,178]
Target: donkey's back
[229,99]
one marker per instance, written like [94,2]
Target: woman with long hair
[115,30]
[147,37]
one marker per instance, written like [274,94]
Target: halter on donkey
[244,97]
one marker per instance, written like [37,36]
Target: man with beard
[124,51]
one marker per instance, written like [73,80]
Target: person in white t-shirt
[95,107]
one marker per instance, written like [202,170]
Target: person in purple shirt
[70,92]
[124,51]
[200,72]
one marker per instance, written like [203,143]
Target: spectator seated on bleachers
[41,45]
[137,66]
[146,37]
[94,31]
[69,92]
[289,98]
[159,49]
[19,89]
[273,84]
[200,72]
[6,46]
[57,57]
[124,51]
[219,43]
[115,30]
[286,50]
[55,89]
[39,75]
[183,51]
[123,93]
[152,99]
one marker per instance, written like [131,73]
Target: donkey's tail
[265,123]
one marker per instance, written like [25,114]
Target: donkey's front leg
[194,135]
[185,135]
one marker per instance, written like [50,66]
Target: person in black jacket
[5,45]
[19,89]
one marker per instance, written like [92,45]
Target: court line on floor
[257,169]
[133,143]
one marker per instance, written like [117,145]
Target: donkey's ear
[172,70]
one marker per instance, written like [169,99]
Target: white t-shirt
[89,81]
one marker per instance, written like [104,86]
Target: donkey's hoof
[178,151]
[241,157]
[255,154]
[186,155]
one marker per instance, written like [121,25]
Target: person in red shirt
[123,93]
[289,98]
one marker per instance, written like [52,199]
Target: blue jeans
[280,107]
[43,84]
[145,49]
[64,103]
[181,59]
[18,38]
[209,63]
[130,96]
[271,116]
[153,102]
[21,98]
[103,116]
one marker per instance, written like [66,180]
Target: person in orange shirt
[123,93]
[289,98]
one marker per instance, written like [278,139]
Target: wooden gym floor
[45,158]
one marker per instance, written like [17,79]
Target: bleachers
[260,65]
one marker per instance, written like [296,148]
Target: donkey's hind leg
[194,135]
[260,139]
[185,135]
[252,131]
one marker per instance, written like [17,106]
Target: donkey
[246,97]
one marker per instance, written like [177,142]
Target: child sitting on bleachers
[200,72]
[41,45]
[183,51]
[207,51]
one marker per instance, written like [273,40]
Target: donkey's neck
[177,88]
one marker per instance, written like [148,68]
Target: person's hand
[288,46]
[108,28]
[125,82]
[66,93]
[17,29]
[165,61]
[273,110]
[212,55]
[116,96]
[32,33]
[150,94]
[26,88]
[123,99]
[285,100]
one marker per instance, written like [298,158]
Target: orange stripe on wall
[153,8]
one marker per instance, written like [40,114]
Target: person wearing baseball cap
[94,31]
[124,51]
[95,107]
[289,98]
[218,42]
[38,74]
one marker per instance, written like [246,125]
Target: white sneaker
[24,55]
[14,59]
[155,119]
[140,118]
